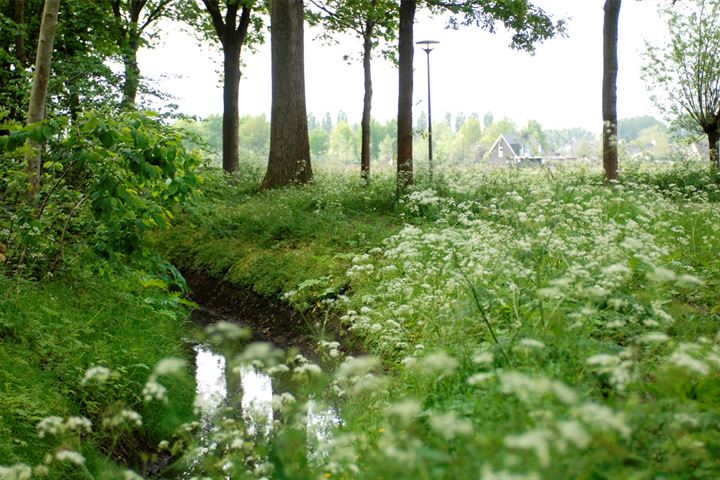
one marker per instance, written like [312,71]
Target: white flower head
[97,375]
[70,456]
[449,425]
[169,366]
[438,363]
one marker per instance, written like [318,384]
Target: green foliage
[526,324]
[629,129]
[52,332]
[106,182]
[273,241]
[529,24]
[685,71]
[376,20]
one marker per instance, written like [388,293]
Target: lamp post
[427,45]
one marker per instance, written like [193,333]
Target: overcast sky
[472,71]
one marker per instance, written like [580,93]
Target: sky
[471,71]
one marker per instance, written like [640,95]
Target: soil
[270,319]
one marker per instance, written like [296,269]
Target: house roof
[512,141]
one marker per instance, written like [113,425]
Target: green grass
[52,331]
[274,241]
[529,324]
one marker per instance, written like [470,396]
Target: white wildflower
[692,364]
[603,418]
[96,374]
[690,281]
[653,337]
[603,360]
[537,440]
[19,471]
[490,474]
[122,418]
[532,343]
[439,363]
[549,293]
[479,378]
[353,367]
[154,390]
[405,410]
[70,456]
[220,332]
[573,432]
[306,370]
[483,358]
[449,425]
[661,275]
[282,401]
[169,366]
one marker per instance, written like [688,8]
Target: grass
[52,331]
[529,324]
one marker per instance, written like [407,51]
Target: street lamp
[427,45]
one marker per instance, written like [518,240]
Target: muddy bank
[270,319]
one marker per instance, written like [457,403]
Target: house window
[501,151]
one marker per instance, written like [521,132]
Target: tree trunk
[132,71]
[289,160]
[38,92]
[19,18]
[713,140]
[367,104]
[609,89]
[231,99]
[405,94]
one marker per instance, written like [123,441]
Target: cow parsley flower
[96,374]
[70,456]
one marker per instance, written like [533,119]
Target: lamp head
[427,45]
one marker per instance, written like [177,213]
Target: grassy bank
[526,324]
[51,333]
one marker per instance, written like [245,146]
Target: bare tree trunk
[231,107]
[713,140]
[405,94]
[19,18]
[232,33]
[609,89]
[38,92]
[132,71]
[289,160]
[367,103]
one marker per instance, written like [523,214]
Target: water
[256,405]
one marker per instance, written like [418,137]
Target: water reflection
[256,403]
[256,400]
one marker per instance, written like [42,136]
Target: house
[510,150]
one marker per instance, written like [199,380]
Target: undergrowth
[524,324]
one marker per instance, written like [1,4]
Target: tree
[289,159]
[535,137]
[609,88]
[133,20]
[530,25]
[372,21]
[232,30]
[38,92]
[488,119]
[686,71]
[405,94]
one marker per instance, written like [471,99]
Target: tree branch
[154,14]
[214,10]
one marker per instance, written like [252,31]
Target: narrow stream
[256,402]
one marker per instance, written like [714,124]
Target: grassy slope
[603,302]
[272,242]
[52,331]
